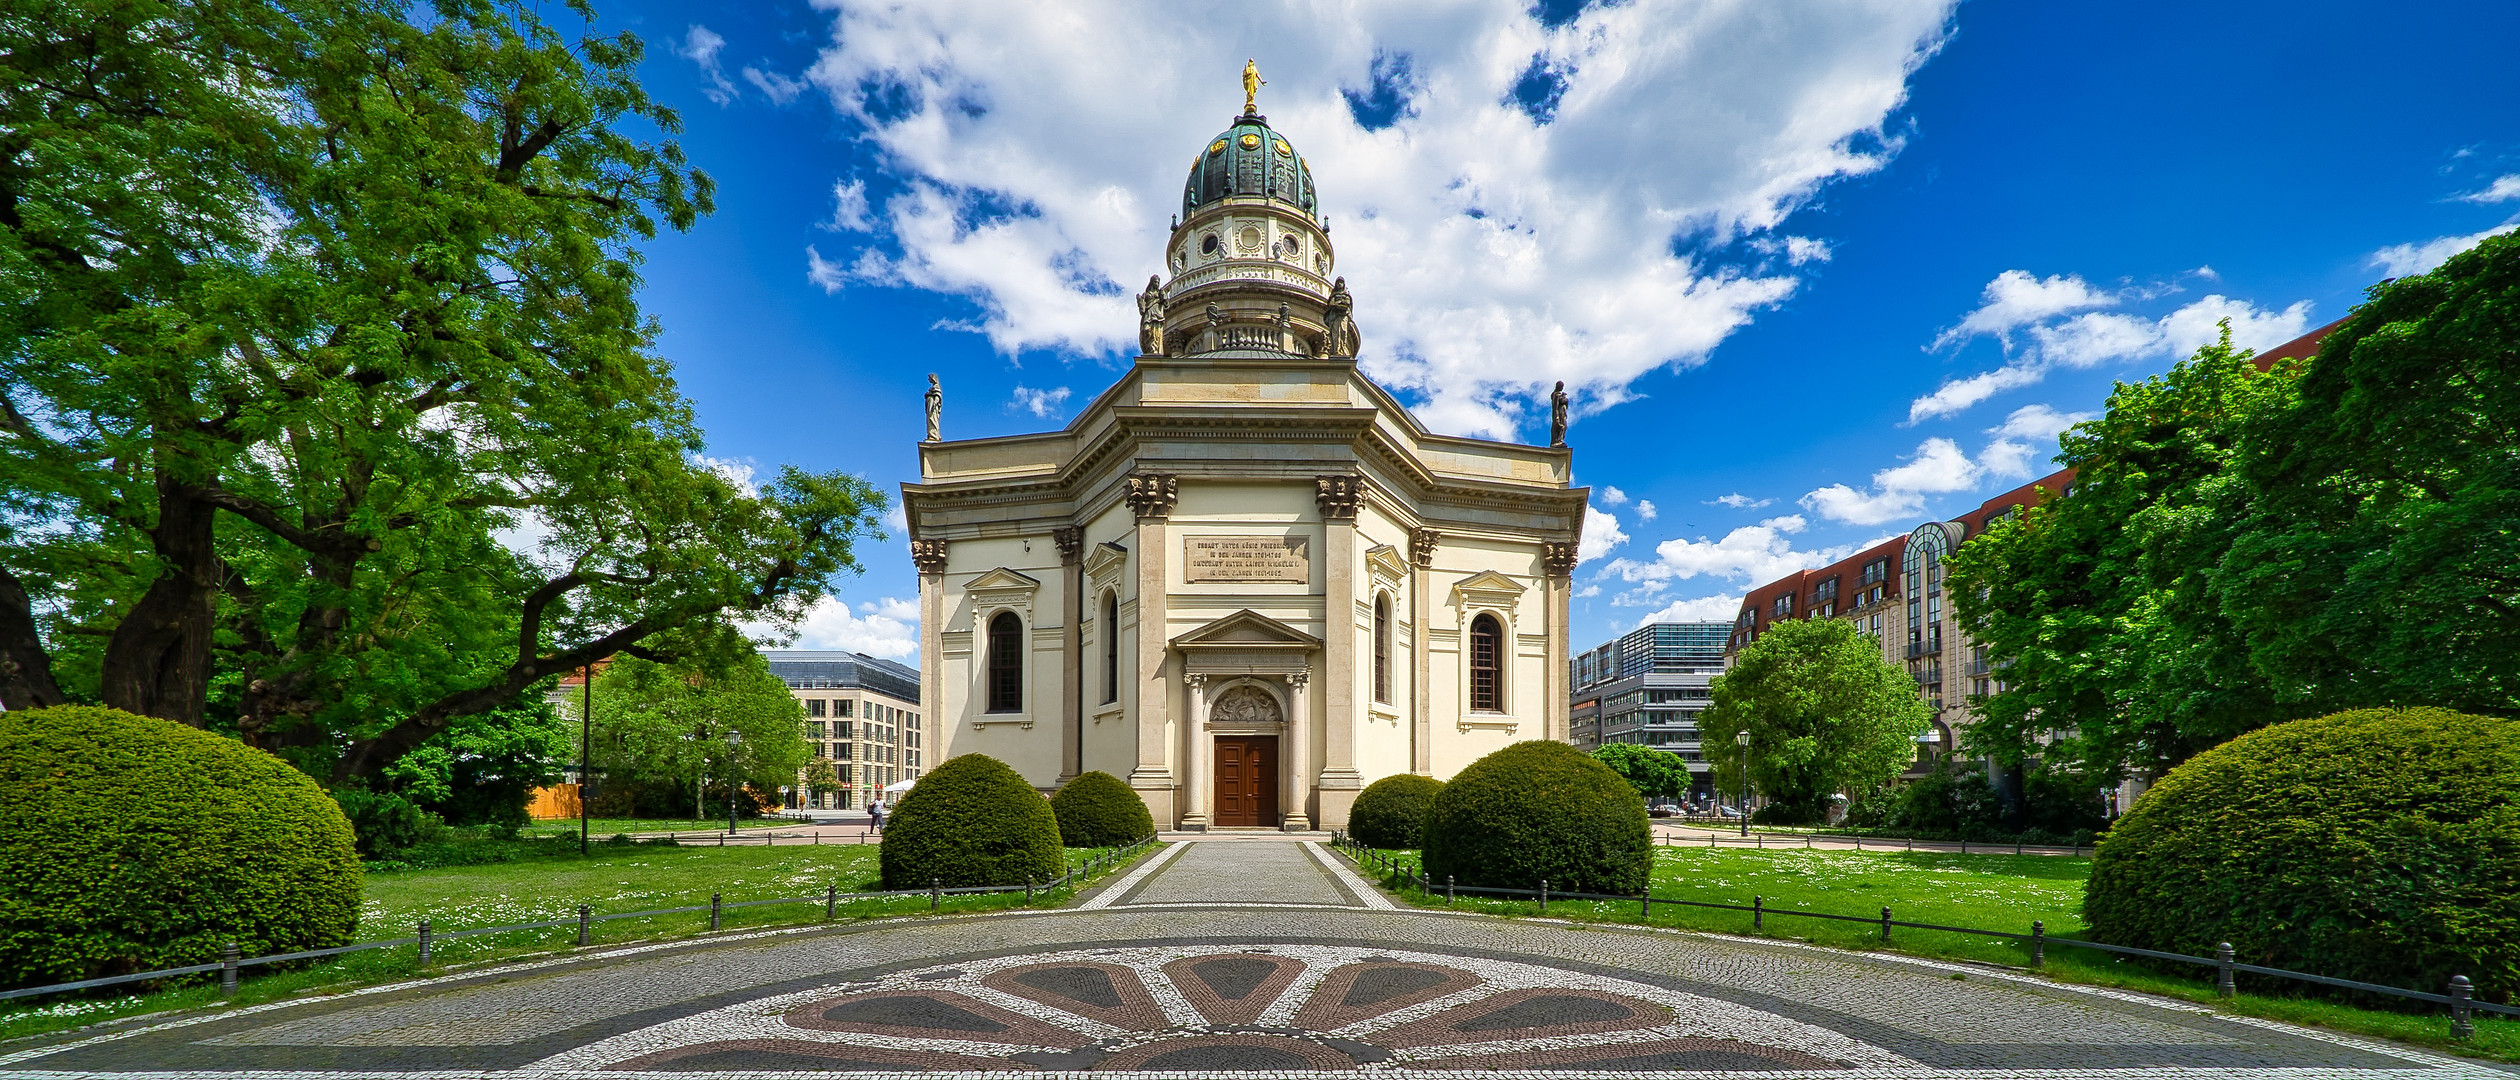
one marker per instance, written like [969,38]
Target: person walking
[875,810]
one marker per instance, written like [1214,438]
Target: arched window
[1006,663]
[1382,649]
[1486,640]
[1111,647]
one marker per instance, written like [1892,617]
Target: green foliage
[1653,773]
[378,308]
[667,725]
[2378,845]
[482,769]
[1956,801]
[129,843]
[1537,811]
[1391,812]
[1097,809]
[1824,712]
[386,824]
[971,821]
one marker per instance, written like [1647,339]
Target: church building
[1244,579]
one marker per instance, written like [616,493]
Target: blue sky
[1816,271]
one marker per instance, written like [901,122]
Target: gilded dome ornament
[1250,141]
[1285,150]
[1217,147]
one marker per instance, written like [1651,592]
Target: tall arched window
[1111,647]
[1006,663]
[1486,641]
[1382,649]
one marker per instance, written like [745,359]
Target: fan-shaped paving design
[1211,1010]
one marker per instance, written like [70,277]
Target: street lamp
[733,740]
[1742,740]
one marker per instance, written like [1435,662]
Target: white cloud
[780,89]
[1939,467]
[888,628]
[1739,501]
[898,519]
[1761,552]
[1717,608]
[1611,496]
[849,212]
[2505,188]
[1490,254]
[735,471]
[1645,510]
[700,46]
[2053,315]
[2407,260]
[2038,423]
[1601,533]
[1045,404]
[823,272]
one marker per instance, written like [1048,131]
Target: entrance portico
[1249,678]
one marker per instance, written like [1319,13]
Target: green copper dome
[1249,159]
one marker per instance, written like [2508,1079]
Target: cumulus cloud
[1752,553]
[1601,533]
[780,89]
[1645,510]
[1493,245]
[1046,404]
[2048,323]
[1718,608]
[733,470]
[2407,260]
[2037,423]
[1611,496]
[701,45]
[888,627]
[823,272]
[849,211]
[2505,188]
[1739,501]
[1939,467]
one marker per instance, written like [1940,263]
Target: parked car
[1727,811]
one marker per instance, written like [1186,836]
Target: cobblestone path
[1228,956]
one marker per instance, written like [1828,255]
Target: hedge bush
[2379,845]
[1097,809]
[129,843]
[1391,812]
[971,821]
[1534,811]
[385,824]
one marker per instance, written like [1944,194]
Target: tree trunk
[157,663]
[26,679]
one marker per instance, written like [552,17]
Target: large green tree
[1655,774]
[670,723]
[1825,715]
[306,306]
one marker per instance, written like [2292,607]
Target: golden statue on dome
[1252,82]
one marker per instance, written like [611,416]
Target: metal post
[1743,740]
[586,750]
[831,902]
[227,970]
[1544,896]
[2462,1016]
[2222,959]
[1885,924]
[424,943]
[1758,912]
[715,911]
[2038,943]
[1964,845]
[1645,904]
[1028,892]
[1448,889]
[586,923]
[936,892]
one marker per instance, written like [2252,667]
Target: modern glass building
[862,715]
[1647,688]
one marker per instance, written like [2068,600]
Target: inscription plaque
[1285,560]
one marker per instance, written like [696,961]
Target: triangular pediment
[1489,581]
[1246,629]
[1384,561]
[1002,578]
[1105,559]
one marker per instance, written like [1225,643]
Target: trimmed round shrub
[1539,811]
[1391,812]
[2379,845]
[971,821]
[130,843]
[1097,809]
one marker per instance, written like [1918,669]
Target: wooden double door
[1246,781]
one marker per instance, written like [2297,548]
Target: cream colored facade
[1245,556]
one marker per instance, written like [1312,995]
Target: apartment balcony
[1981,668]
[1927,647]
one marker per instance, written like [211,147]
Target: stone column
[1201,769]
[929,557]
[1071,653]
[1299,731]
[1421,721]
[1559,560]
[1151,497]
[1337,496]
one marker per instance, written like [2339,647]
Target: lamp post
[1742,740]
[733,740]
[586,749]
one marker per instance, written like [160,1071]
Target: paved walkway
[1226,956]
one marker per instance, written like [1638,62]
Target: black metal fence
[2459,995]
[229,963]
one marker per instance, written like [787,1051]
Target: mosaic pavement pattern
[1224,958]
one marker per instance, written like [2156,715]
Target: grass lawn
[616,878]
[600,827]
[1987,892]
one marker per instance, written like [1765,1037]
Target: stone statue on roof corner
[1557,415]
[935,409]
[1151,317]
